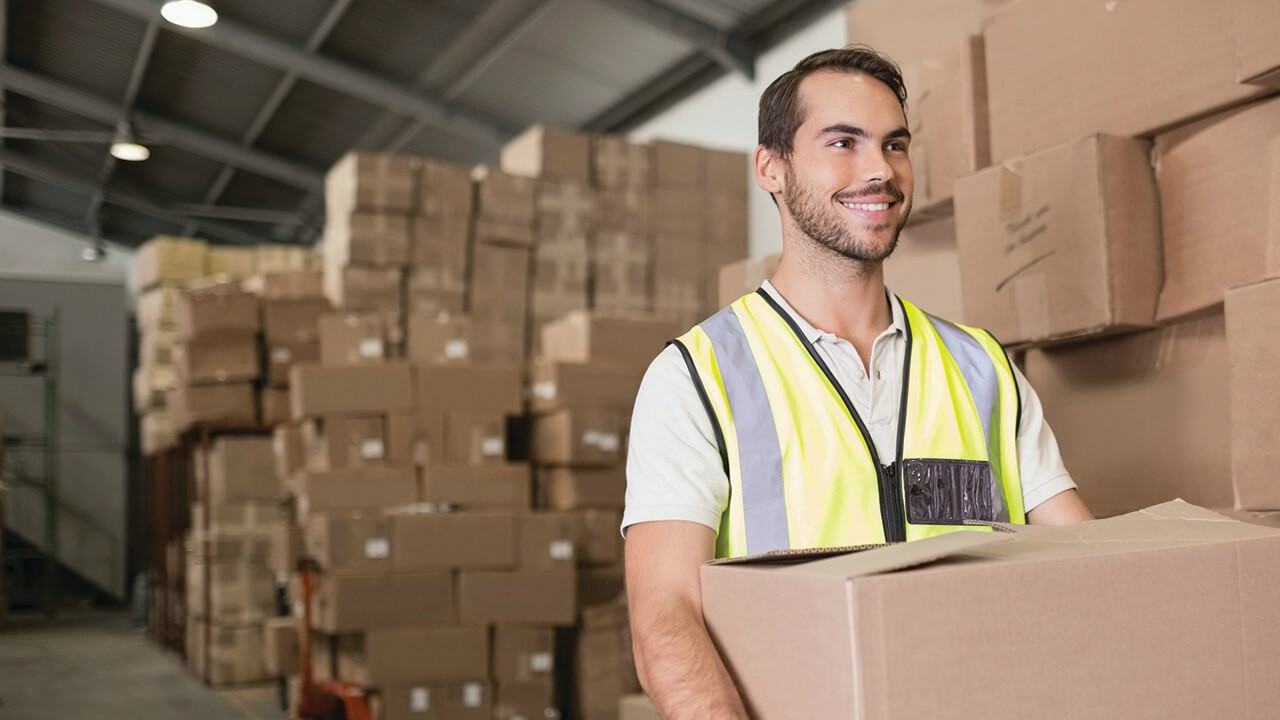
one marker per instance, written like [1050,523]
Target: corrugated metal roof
[722,14]
[249,190]
[398,37]
[290,19]
[317,124]
[21,192]
[171,175]
[77,42]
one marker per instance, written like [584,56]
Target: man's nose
[875,168]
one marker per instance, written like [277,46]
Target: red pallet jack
[333,700]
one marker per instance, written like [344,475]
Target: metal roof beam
[174,133]
[730,50]
[333,74]
[4,58]
[24,165]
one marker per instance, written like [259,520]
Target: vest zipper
[897,481]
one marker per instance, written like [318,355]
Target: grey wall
[40,270]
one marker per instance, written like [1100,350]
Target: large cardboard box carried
[892,26]
[368,488]
[548,152]
[617,164]
[1062,244]
[468,701]
[444,191]
[222,402]
[1255,393]
[1152,64]
[371,182]
[579,436]
[167,260]
[241,468]
[478,487]
[424,539]
[517,596]
[608,339]
[925,269]
[1219,183]
[215,310]
[860,634]
[318,390]
[1257,53]
[225,357]
[357,603]
[414,655]
[1143,418]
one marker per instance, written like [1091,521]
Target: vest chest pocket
[948,492]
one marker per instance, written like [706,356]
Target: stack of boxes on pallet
[1110,229]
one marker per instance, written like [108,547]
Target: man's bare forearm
[680,667]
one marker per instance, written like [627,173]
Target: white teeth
[870,207]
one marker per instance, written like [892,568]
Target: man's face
[848,181]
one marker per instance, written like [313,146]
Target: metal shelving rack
[43,363]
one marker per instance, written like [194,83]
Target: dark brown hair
[780,112]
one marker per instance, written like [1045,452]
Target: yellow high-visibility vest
[803,470]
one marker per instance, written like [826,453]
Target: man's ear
[770,170]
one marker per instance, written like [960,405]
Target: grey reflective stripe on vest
[984,387]
[764,503]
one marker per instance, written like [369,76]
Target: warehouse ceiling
[242,118]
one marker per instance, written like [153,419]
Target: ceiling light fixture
[129,151]
[189,13]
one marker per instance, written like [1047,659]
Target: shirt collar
[898,325]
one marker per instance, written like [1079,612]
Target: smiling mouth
[868,207]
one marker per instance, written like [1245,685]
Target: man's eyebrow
[842,129]
[899,133]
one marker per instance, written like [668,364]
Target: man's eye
[897,146]
[843,143]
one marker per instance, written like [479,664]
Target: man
[820,411]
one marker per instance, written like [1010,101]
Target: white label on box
[277,445]
[371,348]
[545,390]
[281,355]
[560,549]
[456,349]
[371,449]
[472,695]
[419,700]
[540,662]
[377,548]
[492,447]
[606,442]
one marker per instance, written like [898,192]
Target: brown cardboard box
[373,182]
[403,436]
[925,269]
[280,645]
[1044,92]
[197,658]
[236,592]
[469,701]
[477,437]
[504,197]
[546,541]
[517,596]
[554,386]
[1216,199]
[676,165]
[621,269]
[423,539]
[286,285]
[744,276]
[287,548]
[1265,519]
[440,249]
[1144,418]
[170,260]
[157,432]
[150,385]
[548,152]
[727,172]
[891,26]
[235,262]
[352,339]
[423,299]
[154,346]
[563,207]
[351,287]
[1100,586]
[244,517]
[677,210]
[318,390]
[470,487]
[478,387]
[715,256]
[286,447]
[1257,57]
[155,310]
[596,538]
[562,488]
[344,441]
[282,357]
[581,436]
[349,544]
[561,270]
[235,654]
[599,585]
[346,604]
[273,405]
[637,707]
[414,655]
[229,548]
[515,700]
[499,297]
[367,488]
[617,164]
[1251,323]
[293,321]
[1061,244]
[504,232]
[241,468]
[679,278]
[444,191]
[223,403]
[225,357]
[523,653]
[605,668]
[439,339]
[218,310]
[609,339]
[367,238]
[281,258]
[725,221]
[623,209]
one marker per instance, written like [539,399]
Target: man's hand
[1065,508]
[677,663]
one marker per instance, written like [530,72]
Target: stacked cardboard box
[498,298]
[292,310]
[677,213]
[622,250]
[230,590]
[216,355]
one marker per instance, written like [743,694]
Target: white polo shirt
[673,463]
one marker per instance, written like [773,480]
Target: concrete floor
[96,666]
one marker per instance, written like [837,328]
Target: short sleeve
[673,462]
[1039,461]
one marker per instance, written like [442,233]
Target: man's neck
[835,294]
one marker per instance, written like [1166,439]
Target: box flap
[900,556]
[793,557]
